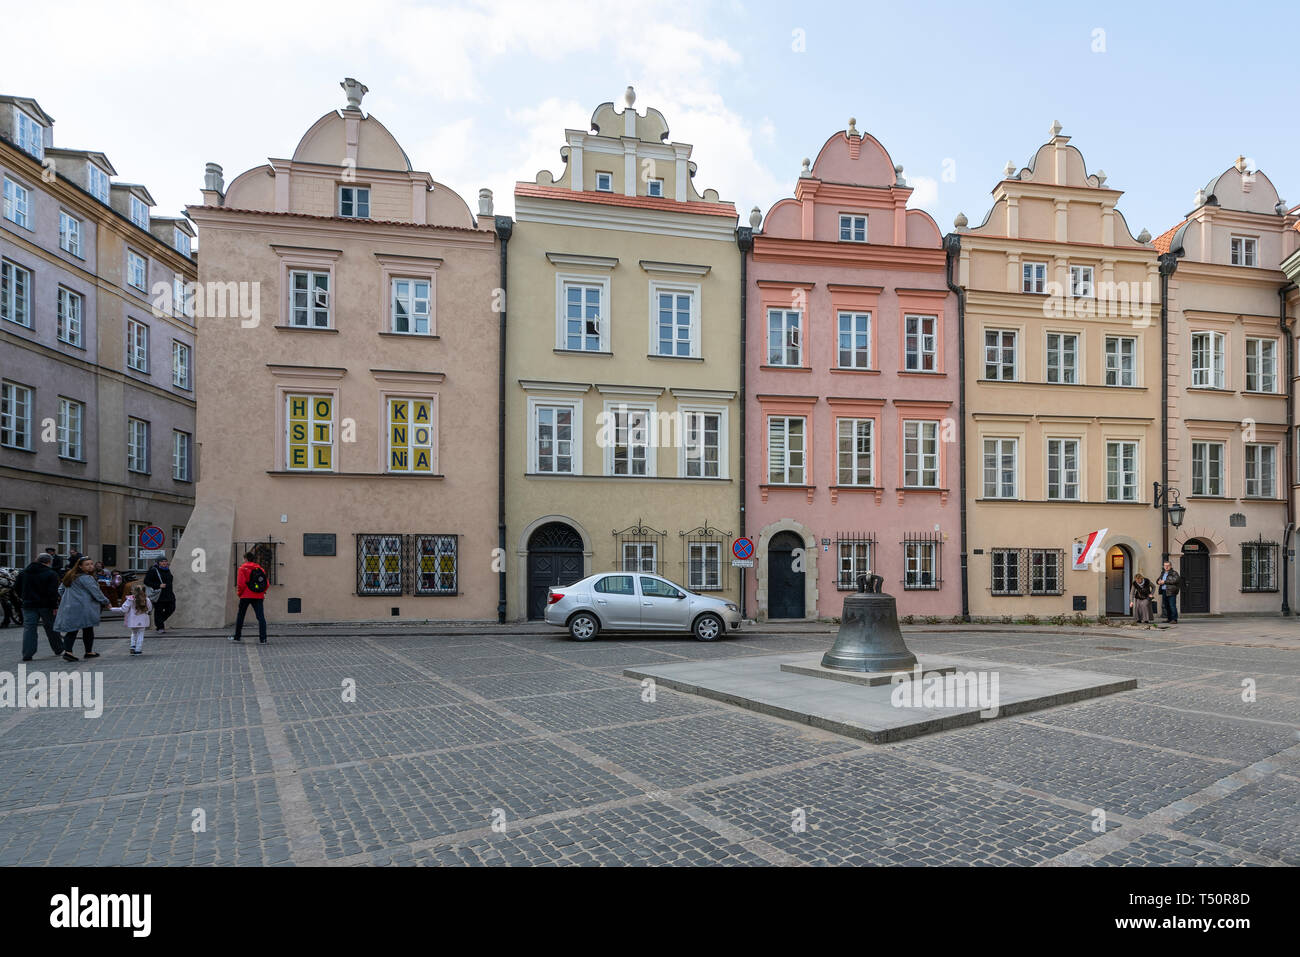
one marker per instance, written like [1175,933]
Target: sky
[1161,96]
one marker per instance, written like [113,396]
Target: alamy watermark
[82,690]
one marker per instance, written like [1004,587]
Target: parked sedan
[622,601]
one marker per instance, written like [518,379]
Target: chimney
[213,185]
[485,217]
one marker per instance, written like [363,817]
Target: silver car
[637,601]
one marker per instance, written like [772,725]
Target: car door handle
[648,604]
[600,601]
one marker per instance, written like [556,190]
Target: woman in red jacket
[250,585]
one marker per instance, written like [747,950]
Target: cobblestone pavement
[524,748]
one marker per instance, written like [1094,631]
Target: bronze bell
[869,639]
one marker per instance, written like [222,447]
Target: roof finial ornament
[1200,198]
[755,218]
[1144,237]
[1240,164]
[1009,170]
[807,168]
[1056,127]
[961,222]
[853,126]
[629,97]
[1101,177]
[899,179]
[354,90]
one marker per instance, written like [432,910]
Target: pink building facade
[852,435]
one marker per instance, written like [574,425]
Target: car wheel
[583,627]
[709,628]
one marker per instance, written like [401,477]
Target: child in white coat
[137,609]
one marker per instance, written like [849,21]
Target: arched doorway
[554,558]
[1119,572]
[1195,569]
[785,576]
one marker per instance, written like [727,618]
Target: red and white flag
[1084,556]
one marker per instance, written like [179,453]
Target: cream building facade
[623,367]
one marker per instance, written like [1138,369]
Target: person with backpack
[250,585]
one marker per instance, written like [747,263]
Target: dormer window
[354,202]
[654,187]
[605,182]
[181,240]
[1245,251]
[98,184]
[853,229]
[31,135]
[139,212]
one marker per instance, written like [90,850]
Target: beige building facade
[347,425]
[1063,384]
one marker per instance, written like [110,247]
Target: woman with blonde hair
[1140,593]
[80,601]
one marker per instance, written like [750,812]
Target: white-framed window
[181,241]
[30,134]
[703,443]
[18,203]
[1081,281]
[855,340]
[69,316]
[1033,277]
[1261,461]
[676,322]
[1259,566]
[181,303]
[1000,468]
[15,294]
[136,270]
[1121,360]
[604,181]
[786,450]
[555,437]
[134,560]
[920,454]
[181,445]
[1244,251]
[309,299]
[309,433]
[855,451]
[1121,471]
[1063,470]
[137,446]
[1000,354]
[1062,358]
[139,212]
[412,439]
[1046,568]
[177,532]
[1005,564]
[854,559]
[137,345]
[654,187]
[629,442]
[853,229]
[583,321]
[640,557]
[920,566]
[410,306]
[180,365]
[704,566]
[921,343]
[69,428]
[354,202]
[15,539]
[1207,468]
[1261,365]
[784,337]
[15,416]
[72,532]
[1207,360]
[99,185]
[70,234]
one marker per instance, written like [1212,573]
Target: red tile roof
[614,199]
[341,219]
[1164,240]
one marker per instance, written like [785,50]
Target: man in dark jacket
[54,557]
[38,588]
[159,579]
[1170,583]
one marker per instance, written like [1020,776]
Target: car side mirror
[680,596]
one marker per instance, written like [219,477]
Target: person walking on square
[136,610]
[54,557]
[80,601]
[37,587]
[158,580]
[250,585]
[1140,598]
[1170,583]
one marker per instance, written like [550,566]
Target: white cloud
[925,193]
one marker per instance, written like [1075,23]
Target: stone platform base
[814,669]
[873,712]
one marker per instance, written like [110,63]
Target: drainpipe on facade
[1290,445]
[952,247]
[505,226]
[745,240]
[1168,263]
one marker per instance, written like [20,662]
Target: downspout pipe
[504,226]
[952,246]
[1168,263]
[1289,458]
[745,240]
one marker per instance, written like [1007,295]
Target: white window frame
[14,307]
[1058,371]
[1033,277]
[71,534]
[70,311]
[998,351]
[70,234]
[1208,481]
[710,559]
[854,351]
[70,428]
[137,346]
[182,455]
[790,474]
[1124,378]
[1081,282]
[358,198]
[855,225]
[181,241]
[29,133]
[997,447]
[137,445]
[16,405]
[1261,364]
[134,563]
[650,186]
[139,212]
[1261,477]
[311,307]
[99,183]
[1066,477]
[921,457]
[413,444]
[17,203]
[861,469]
[634,557]
[1005,563]
[1243,251]
[15,538]
[634,427]
[1128,483]
[137,267]
[927,343]
[789,329]
[535,406]
[411,302]
[918,557]
[685,462]
[603,315]
[607,180]
[182,366]
[692,290]
[1213,375]
[310,443]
